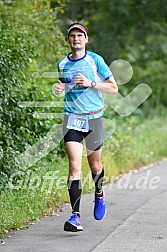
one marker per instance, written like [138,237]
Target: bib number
[78,122]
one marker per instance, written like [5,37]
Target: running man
[84,76]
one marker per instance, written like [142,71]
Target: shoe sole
[72,228]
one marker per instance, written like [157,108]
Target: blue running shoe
[99,208]
[73,224]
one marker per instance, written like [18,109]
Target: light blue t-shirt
[83,100]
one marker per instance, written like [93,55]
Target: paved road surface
[136,220]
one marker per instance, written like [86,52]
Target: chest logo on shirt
[85,67]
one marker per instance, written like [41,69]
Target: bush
[19,128]
[16,124]
[33,43]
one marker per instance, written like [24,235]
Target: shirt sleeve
[60,73]
[102,68]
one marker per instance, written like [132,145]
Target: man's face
[77,39]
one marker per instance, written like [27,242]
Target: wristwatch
[93,84]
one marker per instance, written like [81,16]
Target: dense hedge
[30,41]
[19,128]
[16,124]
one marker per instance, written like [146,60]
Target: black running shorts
[93,138]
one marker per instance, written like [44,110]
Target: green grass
[42,188]
[140,143]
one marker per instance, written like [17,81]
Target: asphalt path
[136,220]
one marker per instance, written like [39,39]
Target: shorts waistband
[90,113]
[95,112]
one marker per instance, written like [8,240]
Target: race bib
[78,122]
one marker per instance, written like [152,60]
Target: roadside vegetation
[32,40]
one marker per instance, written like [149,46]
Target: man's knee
[96,167]
[74,169]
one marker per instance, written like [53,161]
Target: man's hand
[81,81]
[58,88]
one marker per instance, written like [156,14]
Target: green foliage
[30,41]
[39,21]
[16,124]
